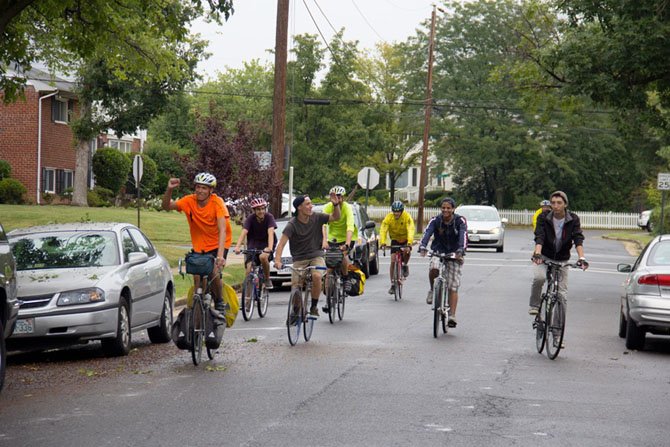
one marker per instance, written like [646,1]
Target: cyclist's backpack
[180,329]
[232,304]
[355,282]
[215,324]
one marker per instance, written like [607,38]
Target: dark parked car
[9,305]
[645,303]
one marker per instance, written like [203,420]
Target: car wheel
[119,345]
[374,264]
[650,226]
[622,325]
[3,356]
[162,333]
[634,335]
[365,263]
[500,249]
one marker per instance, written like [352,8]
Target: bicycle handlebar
[391,247]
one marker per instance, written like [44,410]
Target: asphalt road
[377,378]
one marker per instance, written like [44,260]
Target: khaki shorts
[319,261]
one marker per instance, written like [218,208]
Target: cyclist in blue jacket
[449,232]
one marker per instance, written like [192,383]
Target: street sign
[368,174]
[663,181]
[138,168]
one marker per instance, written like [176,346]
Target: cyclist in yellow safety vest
[399,226]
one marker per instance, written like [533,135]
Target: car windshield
[479,214]
[65,250]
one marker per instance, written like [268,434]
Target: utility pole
[279,107]
[426,126]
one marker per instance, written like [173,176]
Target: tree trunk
[81,169]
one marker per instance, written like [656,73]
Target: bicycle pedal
[312,317]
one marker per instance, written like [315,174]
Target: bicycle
[253,288]
[299,302]
[397,276]
[549,323]
[334,286]
[200,303]
[441,293]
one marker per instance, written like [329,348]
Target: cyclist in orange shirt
[208,218]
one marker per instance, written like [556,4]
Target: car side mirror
[624,268]
[370,224]
[137,257]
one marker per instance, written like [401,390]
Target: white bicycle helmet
[339,190]
[205,178]
[258,202]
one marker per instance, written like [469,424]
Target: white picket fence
[589,219]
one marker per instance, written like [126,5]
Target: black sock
[315,303]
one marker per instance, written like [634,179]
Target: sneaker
[220,307]
[269,285]
[429,298]
[314,311]
[451,322]
[533,310]
[405,271]
[392,290]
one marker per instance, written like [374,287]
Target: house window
[415,180]
[48,180]
[122,146]
[402,180]
[64,180]
[60,110]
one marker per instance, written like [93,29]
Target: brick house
[41,151]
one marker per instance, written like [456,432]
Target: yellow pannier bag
[229,299]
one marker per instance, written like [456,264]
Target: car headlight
[495,230]
[82,296]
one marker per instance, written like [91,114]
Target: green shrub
[5,169]
[11,191]
[111,169]
[100,197]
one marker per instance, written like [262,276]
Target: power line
[366,20]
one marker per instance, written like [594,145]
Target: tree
[61,32]
[229,156]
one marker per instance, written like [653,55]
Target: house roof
[43,81]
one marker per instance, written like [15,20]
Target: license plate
[284,271]
[25,326]
[474,237]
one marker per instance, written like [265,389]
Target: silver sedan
[645,303]
[89,281]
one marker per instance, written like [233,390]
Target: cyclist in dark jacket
[449,233]
[556,231]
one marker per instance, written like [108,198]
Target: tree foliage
[229,156]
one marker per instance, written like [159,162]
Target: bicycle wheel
[398,278]
[308,325]
[248,293]
[555,328]
[331,295]
[263,300]
[444,310]
[540,325]
[437,306]
[341,296]
[197,330]
[294,317]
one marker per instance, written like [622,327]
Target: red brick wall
[18,140]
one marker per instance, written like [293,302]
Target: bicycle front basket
[334,258]
[199,264]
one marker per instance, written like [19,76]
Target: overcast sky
[250,31]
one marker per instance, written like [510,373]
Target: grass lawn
[167,230]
